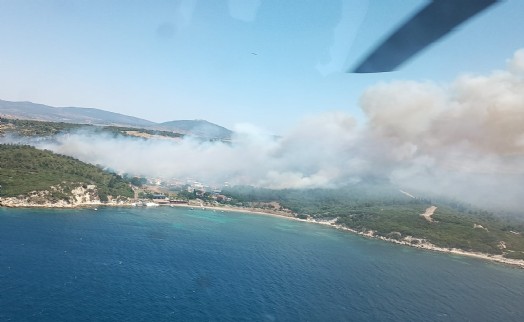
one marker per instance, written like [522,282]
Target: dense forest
[24,169]
[381,207]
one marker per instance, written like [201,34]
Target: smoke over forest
[465,139]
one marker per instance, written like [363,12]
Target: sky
[267,63]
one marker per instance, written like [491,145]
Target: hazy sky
[264,62]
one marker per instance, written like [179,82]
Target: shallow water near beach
[164,264]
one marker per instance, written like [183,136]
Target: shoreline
[406,241]
[254,211]
[410,241]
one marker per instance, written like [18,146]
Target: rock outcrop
[58,197]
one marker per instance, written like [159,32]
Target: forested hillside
[24,169]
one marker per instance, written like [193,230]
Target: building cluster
[202,190]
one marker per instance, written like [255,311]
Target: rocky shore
[81,196]
[421,243]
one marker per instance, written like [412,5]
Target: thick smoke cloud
[464,139]
[309,156]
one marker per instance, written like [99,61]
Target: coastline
[410,241]
[406,241]
[425,245]
[253,211]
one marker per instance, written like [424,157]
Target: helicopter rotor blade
[430,24]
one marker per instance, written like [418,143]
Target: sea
[178,264]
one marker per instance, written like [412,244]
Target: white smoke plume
[306,157]
[465,138]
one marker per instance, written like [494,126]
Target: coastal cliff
[80,196]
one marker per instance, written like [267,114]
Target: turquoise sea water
[174,264]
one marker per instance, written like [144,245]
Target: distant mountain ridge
[95,116]
[198,128]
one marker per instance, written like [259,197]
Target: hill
[94,116]
[42,129]
[199,128]
[40,112]
[31,176]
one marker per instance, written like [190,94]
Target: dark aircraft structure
[430,24]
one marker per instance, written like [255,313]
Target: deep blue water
[168,264]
